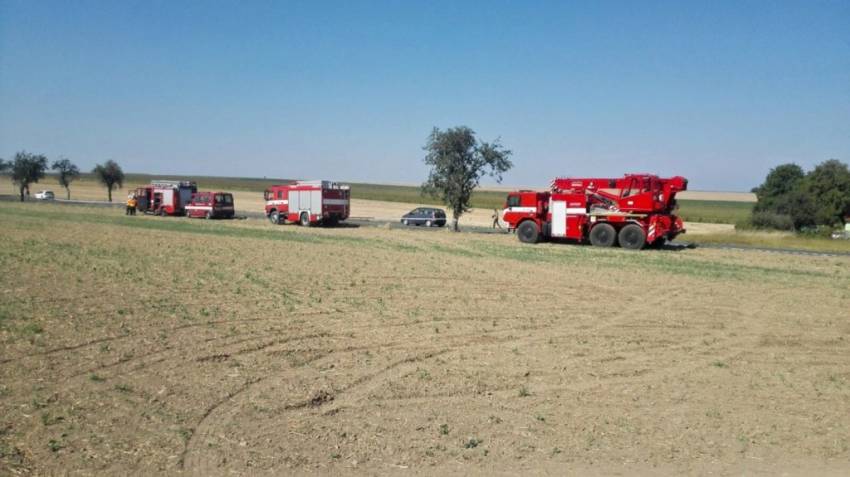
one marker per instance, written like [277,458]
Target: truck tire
[603,235]
[305,219]
[208,216]
[528,232]
[274,217]
[632,237]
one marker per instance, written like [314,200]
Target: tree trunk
[22,193]
[455,228]
[109,190]
[68,190]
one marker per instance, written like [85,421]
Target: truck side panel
[559,218]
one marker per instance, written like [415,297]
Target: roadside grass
[677,263]
[778,240]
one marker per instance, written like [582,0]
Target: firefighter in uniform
[131,205]
[496,219]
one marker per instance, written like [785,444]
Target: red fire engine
[211,205]
[308,202]
[635,210]
[165,197]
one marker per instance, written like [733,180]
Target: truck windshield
[513,201]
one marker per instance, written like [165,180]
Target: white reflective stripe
[335,201]
[198,207]
[277,202]
[576,210]
[521,209]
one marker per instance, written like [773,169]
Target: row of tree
[791,199]
[26,169]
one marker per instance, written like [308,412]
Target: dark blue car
[427,216]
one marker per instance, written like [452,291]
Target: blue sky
[716,91]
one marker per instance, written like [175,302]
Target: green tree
[828,186]
[67,172]
[458,162]
[780,182]
[27,169]
[821,197]
[110,175]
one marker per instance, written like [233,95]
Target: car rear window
[226,199]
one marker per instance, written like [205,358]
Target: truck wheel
[528,232]
[603,235]
[305,219]
[274,217]
[632,237]
[209,216]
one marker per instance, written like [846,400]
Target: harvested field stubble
[157,346]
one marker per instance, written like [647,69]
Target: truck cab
[524,205]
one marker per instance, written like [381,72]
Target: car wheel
[632,237]
[428,223]
[603,235]
[528,232]
[405,222]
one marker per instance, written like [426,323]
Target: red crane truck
[165,197]
[635,210]
[308,203]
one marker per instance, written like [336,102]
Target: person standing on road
[496,219]
[131,205]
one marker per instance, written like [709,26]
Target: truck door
[559,218]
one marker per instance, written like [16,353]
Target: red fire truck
[308,202]
[211,205]
[165,197]
[635,210]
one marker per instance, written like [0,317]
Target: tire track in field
[360,388]
[352,392]
[124,336]
[194,463]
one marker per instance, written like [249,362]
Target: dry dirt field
[163,346]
